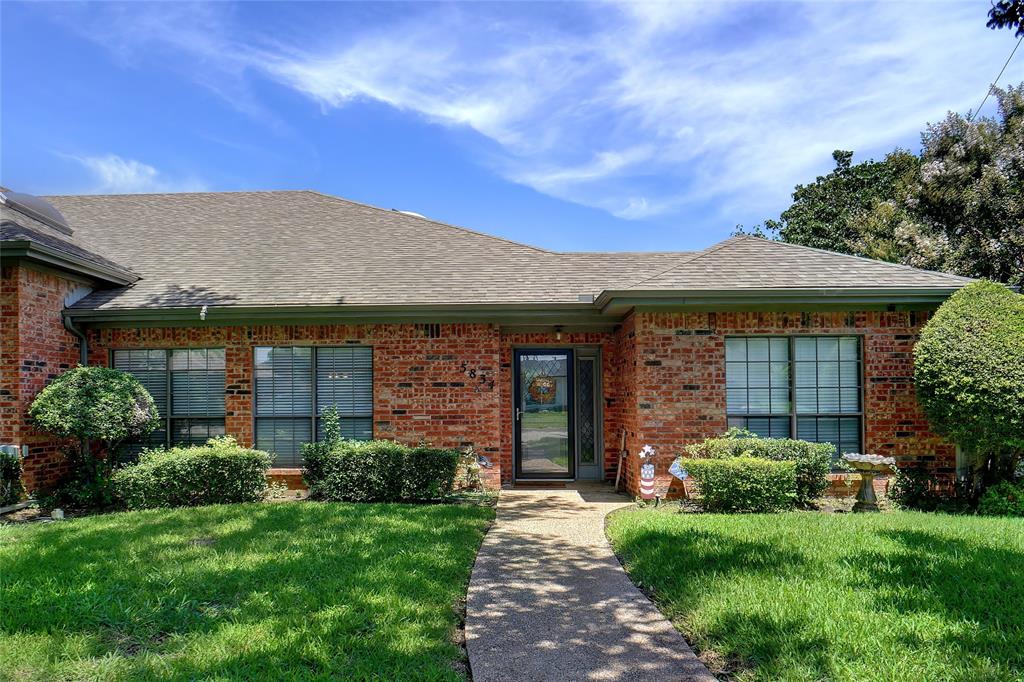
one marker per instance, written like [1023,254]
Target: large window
[808,387]
[295,384]
[187,385]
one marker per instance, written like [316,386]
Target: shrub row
[220,472]
[378,471]
[812,461]
[744,484]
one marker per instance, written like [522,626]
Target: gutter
[610,301]
[61,259]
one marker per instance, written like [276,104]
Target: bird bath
[869,466]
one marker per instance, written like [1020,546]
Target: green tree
[835,210]
[969,374]
[969,195]
[1007,14]
[959,207]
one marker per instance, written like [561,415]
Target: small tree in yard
[969,371]
[94,404]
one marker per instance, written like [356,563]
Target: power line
[989,91]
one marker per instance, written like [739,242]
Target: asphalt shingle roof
[16,226]
[303,248]
[746,262]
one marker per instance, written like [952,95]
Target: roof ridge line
[429,220]
[700,254]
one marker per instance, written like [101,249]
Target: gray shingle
[295,248]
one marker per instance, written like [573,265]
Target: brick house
[248,313]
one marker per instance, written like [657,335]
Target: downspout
[83,359]
[83,343]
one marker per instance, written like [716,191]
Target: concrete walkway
[548,599]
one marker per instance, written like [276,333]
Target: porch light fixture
[202,313]
[558,333]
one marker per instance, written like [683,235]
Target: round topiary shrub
[969,372]
[92,404]
[95,403]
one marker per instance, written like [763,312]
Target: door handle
[519,414]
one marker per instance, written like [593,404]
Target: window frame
[313,417]
[170,415]
[793,415]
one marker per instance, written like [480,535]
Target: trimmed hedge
[219,472]
[378,471]
[1003,499]
[11,487]
[813,460]
[744,484]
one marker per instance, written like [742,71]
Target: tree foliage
[957,207]
[1007,14]
[95,403]
[969,373]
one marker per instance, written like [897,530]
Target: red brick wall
[678,371]
[611,389]
[34,348]
[663,375]
[422,389]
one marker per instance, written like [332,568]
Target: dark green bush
[813,460]
[95,403]
[1003,499]
[969,374]
[11,487]
[916,488]
[429,473]
[743,484]
[219,472]
[378,471]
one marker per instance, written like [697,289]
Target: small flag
[678,471]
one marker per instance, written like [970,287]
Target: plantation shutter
[197,382]
[150,368]
[284,384]
[284,402]
[344,379]
[826,405]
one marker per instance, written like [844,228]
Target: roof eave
[619,302]
[516,314]
[45,255]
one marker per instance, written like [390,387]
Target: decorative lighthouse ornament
[646,455]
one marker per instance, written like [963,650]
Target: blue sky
[583,126]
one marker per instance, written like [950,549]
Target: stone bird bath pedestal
[869,466]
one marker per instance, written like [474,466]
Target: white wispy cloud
[112,174]
[639,109]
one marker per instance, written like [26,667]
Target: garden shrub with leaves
[743,484]
[969,374]
[220,472]
[1003,499]
[92,404]
[337,469]
[11,487]
[813,461]
[95,403]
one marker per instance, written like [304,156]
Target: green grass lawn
[810,596]
[259,591]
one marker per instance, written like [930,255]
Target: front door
[543,414]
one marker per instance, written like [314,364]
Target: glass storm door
[543,414]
